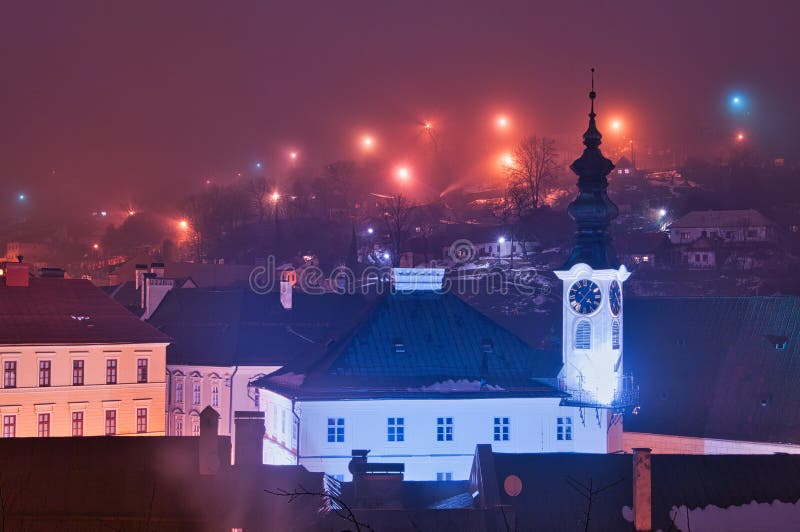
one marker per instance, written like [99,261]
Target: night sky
[104,102]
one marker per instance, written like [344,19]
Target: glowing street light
[616,125]
[662,213]
[293,155]
[258,165]
[95,246]
[103,213]
[183,224]
[21,197]
[370,230]
[428,126]
[131,212]
[501,240]
[502,122]
[275,197]
[507,159]
[367,142]
[740,136]
[403,173]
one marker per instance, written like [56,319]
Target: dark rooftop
[53,311]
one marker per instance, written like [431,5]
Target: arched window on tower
[583,335]
[615,334]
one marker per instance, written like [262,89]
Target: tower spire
[592,209]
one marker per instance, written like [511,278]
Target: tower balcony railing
[625,396]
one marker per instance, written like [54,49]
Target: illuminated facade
[74,362]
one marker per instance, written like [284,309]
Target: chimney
[250,429]
[158,269]
[17,274]
[143,289]
[642,490]
[56,273]
[209,458]
[141,269]
[376,485]
[286,295]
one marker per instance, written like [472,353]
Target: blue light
[258,165]
[370,230]
[21,197]
[737,103]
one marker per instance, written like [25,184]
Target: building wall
[232,384]
[701,259]
[664,444]
[93,398]
[685,235]
[532,428]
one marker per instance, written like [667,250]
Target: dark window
[141,370]
[396,429]
[77,372]
[141,420]
[179,392]
[44,426]
[10,374]
[501,429]
[44,373]
[444,429]
[615,334]
[215,395]
[564,428]
[196,393]
[335,430]
[111,422]
[111,371]
[77,423]
[9,426]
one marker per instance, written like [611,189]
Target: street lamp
[502,122]
[403,173]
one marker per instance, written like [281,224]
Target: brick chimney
[250,429]
[158,269]
[642,490]
[17,274]
[209,459]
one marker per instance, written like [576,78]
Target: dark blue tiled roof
[716,367]
[423,344]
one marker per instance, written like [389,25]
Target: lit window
[564,428]
[9,426]
[196,393]
[10,374]
[627,170]
[615,334]
[111,371]
[444,429]
[141,420]
[77,423]
[583,335]
[44,426]
[444,476]
[77,372]
[501,429]
[396,429]
[335,430]
[646,258]
[141,370]
[111,422]
[179,392]
[44,373]
[195,425]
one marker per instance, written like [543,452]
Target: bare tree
[533,169]
[339,507]
[397,216]
[258,191]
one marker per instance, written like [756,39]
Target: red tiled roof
[68,311]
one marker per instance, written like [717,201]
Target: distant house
[74,362]
[701,254]
[640,249]
[729,226]
[625,168]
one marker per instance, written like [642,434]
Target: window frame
[112,371]
[9,426]
[10,374]
[564,428]
[77,419]
[141,413]
[502,429]
[445,428]
[45,373]
[396,429]
[110,421]
[78,372]
[43,425]
[142,370]
[336,432]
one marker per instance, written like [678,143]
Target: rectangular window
[10,374]
[178,427]
[77,423]
[444,429]
[77,372]
[195,426]
[215,396]
[111,371]
[141,370]
[335,430]
[396,429]
[501,429]
[196,393]
[444,476]
[44,372]
[9,426]
[141,420]
[179,392]
[564,428]
[283,422]
[111,422]
[44,426]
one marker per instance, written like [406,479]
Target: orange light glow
[183,224]
[740,137]
[502,122]
[95,246]
[507,159]
[616,125]
[131,212]
[275,197]
[428,125]
[293,155]
[403,173]
[368,142]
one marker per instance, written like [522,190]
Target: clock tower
[592,285]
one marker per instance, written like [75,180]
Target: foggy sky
[106,101]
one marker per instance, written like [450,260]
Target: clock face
[615,298]
[584,296]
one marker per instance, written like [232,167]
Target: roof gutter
[230,403]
